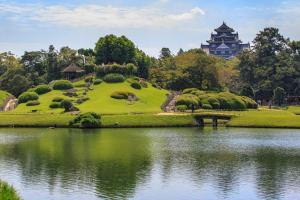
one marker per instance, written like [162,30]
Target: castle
[224,43]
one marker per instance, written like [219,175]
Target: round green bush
[120,95]
[214,102]
[57,99]
[97,81]
[28,96]
[87,120]
[189,90]
[42,89]
[250,103]
[182,108]
[67,105]
[238,104]
[54,105]
[114,78]
[33,103]
[136,85]
[89,79]
[188,100]
[90,123]
[207,107]
[62,85]
[224,103]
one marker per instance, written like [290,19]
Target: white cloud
[101,16]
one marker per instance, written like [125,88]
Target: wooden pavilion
[73,71]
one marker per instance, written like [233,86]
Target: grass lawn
[294,109]
[265,118]
[7,192]
[150,100]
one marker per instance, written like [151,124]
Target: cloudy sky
[34,25]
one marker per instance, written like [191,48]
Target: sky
[34,25]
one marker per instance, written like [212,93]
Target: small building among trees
[73,71]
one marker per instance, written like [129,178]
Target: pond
[175,163]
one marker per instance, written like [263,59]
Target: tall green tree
[114,49]
[165,53]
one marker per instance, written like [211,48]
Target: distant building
[225,43]
[72,72]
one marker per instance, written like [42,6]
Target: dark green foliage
[181,108]
[214,103]
[62,85]
[114,78]
[97,81]
[136,85]
[120,95]
[126,70]
[206,106]
[279,95]
[250,103]
[7,192]
[188,100]
[113,49]
[54,105]
[67,105]
[247,91]
[28,96]
[82,100]
[87,120]
[42,89]
[57,99]
[33,103]
[89,79]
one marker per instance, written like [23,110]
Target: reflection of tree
[113,162]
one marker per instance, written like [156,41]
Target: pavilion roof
[72,68]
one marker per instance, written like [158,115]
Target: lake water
[148,164]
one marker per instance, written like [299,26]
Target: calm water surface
[179,163]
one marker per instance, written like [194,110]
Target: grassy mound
[98,99]
[7,192]
[3,96]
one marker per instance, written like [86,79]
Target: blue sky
[34,25]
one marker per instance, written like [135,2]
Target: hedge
[62,85]
[42,89]
[126,70]
[87,120]
[54,105]
[114,78]
[33,103]
[182,108]
[28,96]
[97,81]
[187,100]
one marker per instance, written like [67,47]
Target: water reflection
[152,163]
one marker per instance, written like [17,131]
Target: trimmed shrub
[57,99]
[207,107]
[42,89]
[87,120]
[54,105]
[82,100]
[67,105]
[33,103]
[62,85]
[136,85]
[182,108]
[114,78]
[188,100]
[28,96]
[97,81]
[126,70]
[224,103]
[189,90]
[238,104]
[250,103]
[214,102]
[89,79]
[121,95]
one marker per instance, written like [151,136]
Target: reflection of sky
[183,163]
[151,24]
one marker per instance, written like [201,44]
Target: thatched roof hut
[72,71]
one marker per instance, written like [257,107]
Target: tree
[143,62]
[279,95]
[247,91]
[113,49]
[165,53]
[180,52]
[7,60]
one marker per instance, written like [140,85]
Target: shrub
[82,100]
[62,85]
[250,103]
[114,78]
[42,89]
[224,103]
[89,79]
[7,192]
[182,108]
[189,90]
[87,120]
[144,84]
[57,99]
[33,103]
[54,105]
[238,104]
[67,105]
[28,96]
[136,85]
[97,81]
[214,102]
[188,100]
[126,70]
[120,95]
[207,107]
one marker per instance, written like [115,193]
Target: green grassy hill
[150,100]
[3,96]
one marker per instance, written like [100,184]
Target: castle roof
[223,47]
[224,29]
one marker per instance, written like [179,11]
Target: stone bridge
[199,117]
